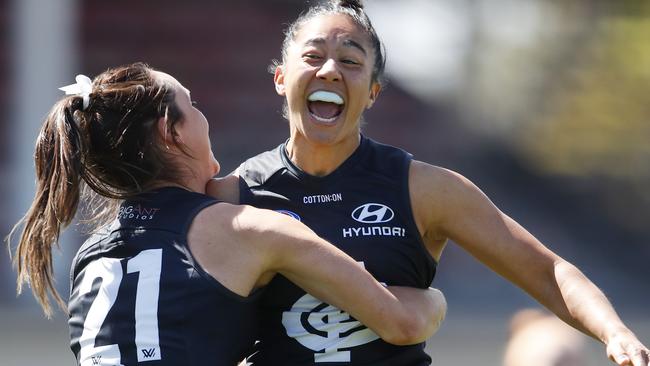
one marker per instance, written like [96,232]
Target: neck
[188,175]
[189,187]
[320,159]
[194,185]
[189,182]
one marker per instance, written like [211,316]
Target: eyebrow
[347,43]
[351,43]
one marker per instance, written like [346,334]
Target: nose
[329,71]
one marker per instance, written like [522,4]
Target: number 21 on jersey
[148,263]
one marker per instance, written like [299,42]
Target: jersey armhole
[407,198]
[195,211]
[254,295]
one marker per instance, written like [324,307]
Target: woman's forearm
[585,306]
[587,309]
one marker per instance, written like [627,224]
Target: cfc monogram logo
[325,329]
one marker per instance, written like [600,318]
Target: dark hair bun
[352,4]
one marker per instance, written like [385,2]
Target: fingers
[640,357]
[620,359]
[636,357]
[616,353]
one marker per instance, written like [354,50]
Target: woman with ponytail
[171,275]
[385,209]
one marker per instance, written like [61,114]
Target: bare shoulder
[246,224]
[441,197]
[226,241]
[225,188]
[435,190]
[216,220]
[431,178]
[235,218]
[437,185]
[241,228]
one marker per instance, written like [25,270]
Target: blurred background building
[544,104]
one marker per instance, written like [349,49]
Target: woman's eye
[312,56]
[349,62]
[195,103]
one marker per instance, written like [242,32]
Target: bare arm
[399,316]
[449,205]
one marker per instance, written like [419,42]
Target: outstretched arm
[594,314]
[448,205]
[398,315]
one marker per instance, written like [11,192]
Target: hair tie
[83,87]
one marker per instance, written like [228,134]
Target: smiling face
[192,132]
[327,81]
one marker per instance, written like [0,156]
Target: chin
[323,138]
[215,167]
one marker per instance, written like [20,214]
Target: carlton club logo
[328,331]
[373,213]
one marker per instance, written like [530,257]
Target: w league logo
[148,352]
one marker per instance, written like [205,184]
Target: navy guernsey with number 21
[138,297]
[363,207]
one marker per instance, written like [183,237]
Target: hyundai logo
[373,213]
[289,213]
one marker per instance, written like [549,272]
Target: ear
[164,132]
[278,79]
[375,88]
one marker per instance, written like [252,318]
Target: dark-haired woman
[381,207]
[171,279]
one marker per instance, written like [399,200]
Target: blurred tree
[596,125]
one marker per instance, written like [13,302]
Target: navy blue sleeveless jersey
[138,297]
[363,207]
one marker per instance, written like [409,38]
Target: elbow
[438,315]
[407,332]
[442,313]
[413,328]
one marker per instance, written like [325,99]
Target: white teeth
[325,96]
[324,119]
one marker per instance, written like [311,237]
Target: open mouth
[325,106]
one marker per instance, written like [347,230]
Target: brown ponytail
[58,170]
[111,149]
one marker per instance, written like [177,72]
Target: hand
[626,350]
